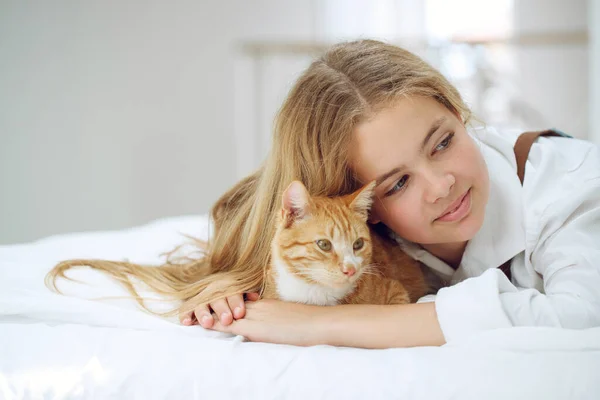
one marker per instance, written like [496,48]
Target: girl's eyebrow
[437,124]
[384,177]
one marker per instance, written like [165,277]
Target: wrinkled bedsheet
[80,347]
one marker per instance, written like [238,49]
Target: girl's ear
[362,200]
[295,203]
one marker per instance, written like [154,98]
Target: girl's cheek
[403,216]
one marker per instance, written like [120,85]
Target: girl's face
[432,181]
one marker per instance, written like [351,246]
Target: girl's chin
[467,229]
[462,232]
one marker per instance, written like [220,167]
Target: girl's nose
[438,186]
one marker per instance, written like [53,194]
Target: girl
[371,111]
[367,110]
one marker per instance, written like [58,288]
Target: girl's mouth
[457,210]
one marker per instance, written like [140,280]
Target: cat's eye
[324,244]
[358,244]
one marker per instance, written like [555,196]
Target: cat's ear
[296,202]
[362,200]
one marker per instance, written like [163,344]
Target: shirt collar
[502,235]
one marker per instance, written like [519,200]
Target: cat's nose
[348,270]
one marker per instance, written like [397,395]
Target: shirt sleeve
[567,256]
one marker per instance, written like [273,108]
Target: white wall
[114,113]
[554,78]
[594,75]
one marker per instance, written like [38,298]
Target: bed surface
[78,347]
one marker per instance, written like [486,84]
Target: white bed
[55,347]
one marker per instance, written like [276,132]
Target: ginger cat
[325,253]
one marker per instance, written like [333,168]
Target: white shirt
[550,227]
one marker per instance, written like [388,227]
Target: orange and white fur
[325,253]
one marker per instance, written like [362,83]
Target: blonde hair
[350,83]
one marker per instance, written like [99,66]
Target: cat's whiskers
[370,269]
[320,275]
[368,272]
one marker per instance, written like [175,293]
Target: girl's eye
[398,186]
[444,143]
[358,244]
[324,244]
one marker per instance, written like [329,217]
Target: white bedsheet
[54,347]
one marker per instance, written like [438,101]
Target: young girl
[367,110]
[371,111]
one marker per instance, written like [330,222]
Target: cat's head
[324,240]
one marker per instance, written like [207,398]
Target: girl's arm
[377,327]
[367,326]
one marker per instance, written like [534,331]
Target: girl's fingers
[236,304]
[233,307]
[252,296]
[186,318]
[203,316]
[237,328]
[224,314]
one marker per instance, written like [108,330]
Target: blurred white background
[114,113]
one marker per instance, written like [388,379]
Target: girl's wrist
[327,326]
[343,325]
[378,326]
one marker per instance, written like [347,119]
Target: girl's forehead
[403,117]
[395,133]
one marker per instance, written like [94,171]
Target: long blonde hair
[350,83]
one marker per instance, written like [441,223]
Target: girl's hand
[226,311]
[281,322]
[351,325]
